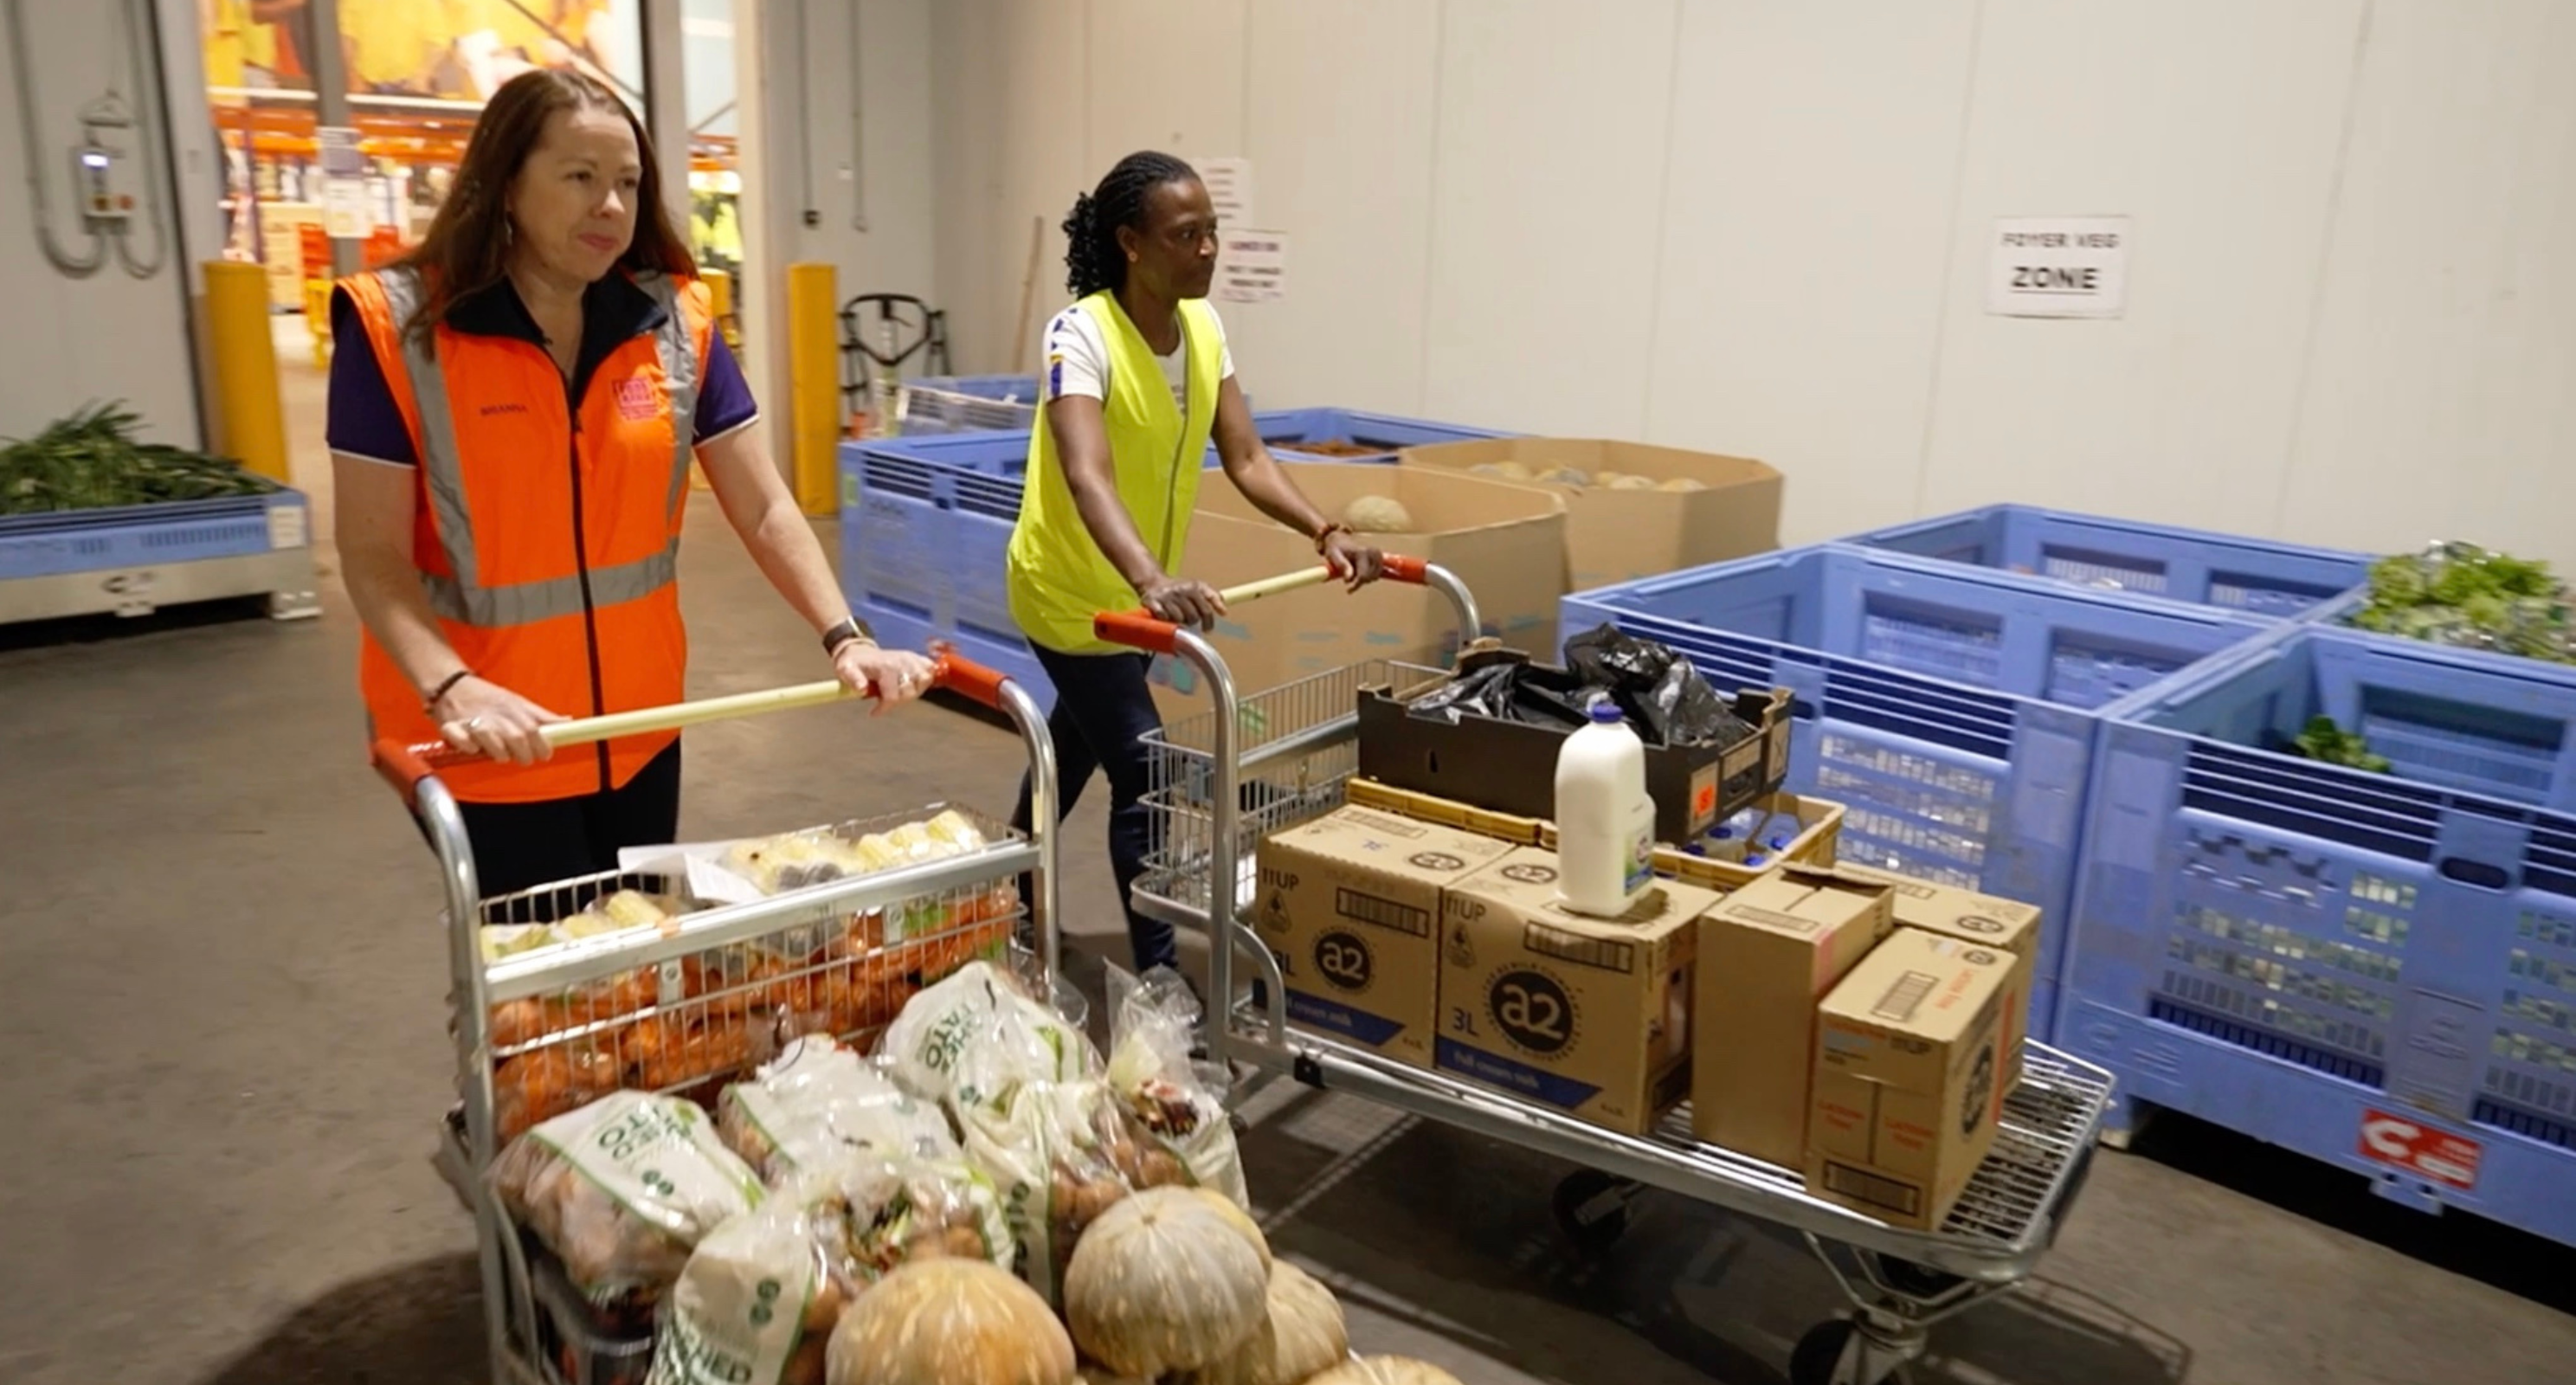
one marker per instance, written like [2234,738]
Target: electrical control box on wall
[103,177]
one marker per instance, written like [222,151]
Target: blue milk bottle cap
[1605,712]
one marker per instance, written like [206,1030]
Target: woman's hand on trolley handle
[1182,602]
[479,716]
[892,676]
[1354,563]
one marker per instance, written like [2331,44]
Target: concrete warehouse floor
[223,1005]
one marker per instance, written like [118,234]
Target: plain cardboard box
[1590,1016]
[1349,904]
[1909,1078]
[1503,541]
[1768,954]
[1977,918]
[1614,536]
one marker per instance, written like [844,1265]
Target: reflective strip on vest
[459,597]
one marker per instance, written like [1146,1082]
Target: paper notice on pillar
[1229,187]
[1252,267]
[347,212]
[339,155]
[2058,266]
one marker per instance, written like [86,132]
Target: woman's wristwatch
[849,629]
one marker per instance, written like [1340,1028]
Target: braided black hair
[1092,259]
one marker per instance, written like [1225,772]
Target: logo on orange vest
[637,400]
[496,410]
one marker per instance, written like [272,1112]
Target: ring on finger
[473,724]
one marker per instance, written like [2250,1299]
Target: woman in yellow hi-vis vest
[1137,379]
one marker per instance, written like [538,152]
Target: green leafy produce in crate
[2326,741]
[92,460]
[2462,595]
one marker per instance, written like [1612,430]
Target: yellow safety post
[317,320]
[814,382]
[253,427]
[720,302]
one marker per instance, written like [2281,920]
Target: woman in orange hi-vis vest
[513,412]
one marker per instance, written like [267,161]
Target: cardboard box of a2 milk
[1767,954]
[1975,918]
[1350,905]
[1588,1015]
[1909,1078]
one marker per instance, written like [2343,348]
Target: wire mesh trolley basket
[1257,764]
[691,996]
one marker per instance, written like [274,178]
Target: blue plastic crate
[1344,429]
[2328,958]
[937,404]
[1952,710]
[131,536]
[2256,576]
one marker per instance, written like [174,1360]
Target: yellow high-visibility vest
[1056,576]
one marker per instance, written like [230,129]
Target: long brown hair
[467,249]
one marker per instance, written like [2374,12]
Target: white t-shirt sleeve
[1077,355]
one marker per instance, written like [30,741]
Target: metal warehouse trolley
[686,1004]
[1256,764]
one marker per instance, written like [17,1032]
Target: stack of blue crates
[2375,969]
[925,522]
[1951,708]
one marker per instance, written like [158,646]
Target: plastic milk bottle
[1605,822]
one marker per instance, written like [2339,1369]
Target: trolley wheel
[1819,1357]
[1592,1210]
[1913,1280]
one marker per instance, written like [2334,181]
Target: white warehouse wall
[108,336]
[1759,226]
[840,127]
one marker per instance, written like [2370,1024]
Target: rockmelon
[1683,483]
[1385,1370]
[1165,1282]
[1633,483]
[1377,514]
[949,1322]
[1566,476]
[1302,1336]
[1502,471]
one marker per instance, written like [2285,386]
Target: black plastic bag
[1659,692]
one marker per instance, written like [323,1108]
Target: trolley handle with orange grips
[620,967]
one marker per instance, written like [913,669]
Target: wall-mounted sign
[1251,267]
[2058,266]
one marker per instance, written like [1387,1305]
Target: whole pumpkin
[949,1322]
[1164,1282]
[1385,1370]
[1302,1337]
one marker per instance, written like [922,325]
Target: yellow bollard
[317,320]
[252,429]
[814,383]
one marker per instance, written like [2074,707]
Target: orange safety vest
[548,529]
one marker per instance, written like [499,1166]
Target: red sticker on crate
[2402,1142]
